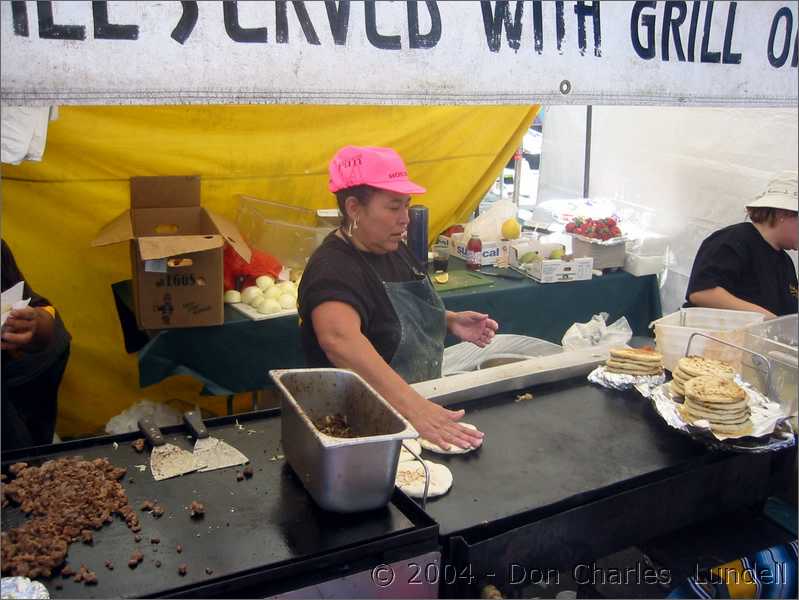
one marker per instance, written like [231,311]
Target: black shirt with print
[338,272]
[738,259]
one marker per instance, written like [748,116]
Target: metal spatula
[167,460]
[214,453]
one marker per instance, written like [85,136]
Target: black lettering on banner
[560,25]
[779,60]
[429,39]
[538,27]
[692,29]
[237,33]
[647,52]
[339,19]
[706,56]
[582,11]
[384,42]
[188,19]
[282,22]
[19,14]
[493,23]
[671,24]
[728,57]
[103,30]
[794,60]
[51,31]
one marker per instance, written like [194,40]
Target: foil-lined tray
[22,587]
[771,429]
[622,381]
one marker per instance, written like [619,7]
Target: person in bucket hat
[367,304]
[746,266]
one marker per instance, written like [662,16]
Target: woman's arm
[718,297]
[338,329]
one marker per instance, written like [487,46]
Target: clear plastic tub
[289,233]
[673,331]
[777,341]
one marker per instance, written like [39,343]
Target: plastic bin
[777,341]
[673,331]
[289,233]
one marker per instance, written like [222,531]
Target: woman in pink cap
[366,303]
[745,266]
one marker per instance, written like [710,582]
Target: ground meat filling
[65,499]
[335,426]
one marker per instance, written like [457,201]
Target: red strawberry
[570,227]
[611,222]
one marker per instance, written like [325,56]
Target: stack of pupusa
[689,367]
[718,400]
[634,361]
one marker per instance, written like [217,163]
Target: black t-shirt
[738,259]
[337,272]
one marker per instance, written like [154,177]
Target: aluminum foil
[771,429]
[620,381]
[22,587]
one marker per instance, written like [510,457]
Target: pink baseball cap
[381,168]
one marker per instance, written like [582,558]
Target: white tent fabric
[694,168]
[24,132]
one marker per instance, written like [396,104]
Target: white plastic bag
[162,414]
[597,333]
[489,224]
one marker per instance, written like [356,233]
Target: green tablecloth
[236,357]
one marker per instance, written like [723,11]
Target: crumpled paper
[645,384]
[12,299]
[771,429]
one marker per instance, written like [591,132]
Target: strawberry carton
[600,239]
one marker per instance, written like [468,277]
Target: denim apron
[423,324]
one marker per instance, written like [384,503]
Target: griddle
[258,534]
[572,442]
[575,473]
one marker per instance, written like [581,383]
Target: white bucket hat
[780,193]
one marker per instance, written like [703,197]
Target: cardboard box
[556,271]
[176,250]
[644,265]
[491,250]
[605,256]
[521,247]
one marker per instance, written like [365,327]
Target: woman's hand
[440,426]
[27,329]
[471,326]
[19,328]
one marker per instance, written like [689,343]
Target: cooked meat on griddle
[65,499]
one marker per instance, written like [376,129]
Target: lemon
[511,230]
[556,254]
[441,278]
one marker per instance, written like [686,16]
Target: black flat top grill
[257,529]
[573,442]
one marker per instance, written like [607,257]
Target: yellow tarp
[52,210]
